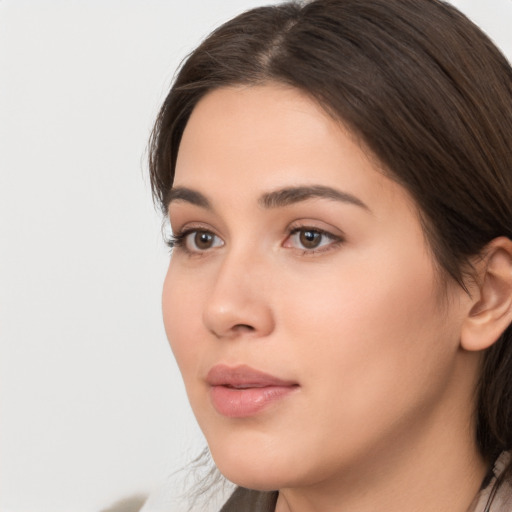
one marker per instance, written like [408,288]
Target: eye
[202,240]
[311,239]
[195,240]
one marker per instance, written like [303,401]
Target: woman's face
[301,300]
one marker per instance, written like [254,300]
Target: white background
[92,407]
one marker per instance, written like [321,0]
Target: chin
[252,468]
[251,477]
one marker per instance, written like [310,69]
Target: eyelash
[179,240]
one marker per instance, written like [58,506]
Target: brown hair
[426,91]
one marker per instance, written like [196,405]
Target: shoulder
[497,494]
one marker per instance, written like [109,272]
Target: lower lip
[243,403]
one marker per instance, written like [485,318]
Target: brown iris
[310,239]
[203,240]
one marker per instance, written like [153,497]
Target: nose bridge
[239,301]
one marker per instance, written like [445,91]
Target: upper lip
[243,376]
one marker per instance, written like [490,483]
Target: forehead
[237,122]
[249,140]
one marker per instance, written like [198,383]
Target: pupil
[310,239]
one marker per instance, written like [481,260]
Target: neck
[416,480]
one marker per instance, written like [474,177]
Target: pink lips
[241,391]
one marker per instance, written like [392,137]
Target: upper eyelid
[194,226]
[326,229]
[184,232]
[312,228]
[331,236]
[316,225]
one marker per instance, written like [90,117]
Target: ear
[491,309]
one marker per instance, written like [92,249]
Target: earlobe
[491,312]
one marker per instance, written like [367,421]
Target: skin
[382,418]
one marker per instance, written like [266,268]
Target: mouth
[242,391]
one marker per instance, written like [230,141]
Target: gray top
[246,500]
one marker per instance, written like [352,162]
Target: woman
[338,179]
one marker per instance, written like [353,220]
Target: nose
[240,301]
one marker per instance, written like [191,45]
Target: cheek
[182,315]
[374,331]
[374,352]
[364,299]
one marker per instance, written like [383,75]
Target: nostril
[243,327]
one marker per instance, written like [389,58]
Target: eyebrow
[189,196]
[275,199]
[291,195]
